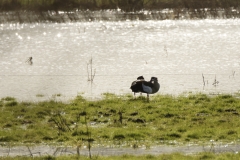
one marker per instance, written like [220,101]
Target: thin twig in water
[215,83]
[9,149]
[92,72]
[57,149]
[79,29]
[29,61]
[233,74]
[203,80]
[165,49]
[30,151]
[88,72]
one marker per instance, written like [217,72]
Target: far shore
[114,15]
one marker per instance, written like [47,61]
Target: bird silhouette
[29,61]
[142,86]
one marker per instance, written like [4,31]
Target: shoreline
[118,126]
[43,150]
[91,98]
[114,15]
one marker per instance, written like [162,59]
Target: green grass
[123,120]
[194,118]
[174,156]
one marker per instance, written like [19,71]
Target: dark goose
[142,86]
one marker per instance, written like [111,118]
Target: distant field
[125,5]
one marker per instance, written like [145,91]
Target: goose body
[142,86]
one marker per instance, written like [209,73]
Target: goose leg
[147,96]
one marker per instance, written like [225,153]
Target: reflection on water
[180,53]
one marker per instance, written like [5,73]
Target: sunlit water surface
[183,54]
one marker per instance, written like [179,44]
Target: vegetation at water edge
[174,156]
[122,120]
[125,5]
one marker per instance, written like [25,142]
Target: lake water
[179,52]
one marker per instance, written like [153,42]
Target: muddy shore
[42,150]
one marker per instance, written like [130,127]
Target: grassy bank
[122,120]
[125,5]
[175,156]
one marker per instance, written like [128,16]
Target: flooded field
[185,55]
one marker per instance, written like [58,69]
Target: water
[178,52]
